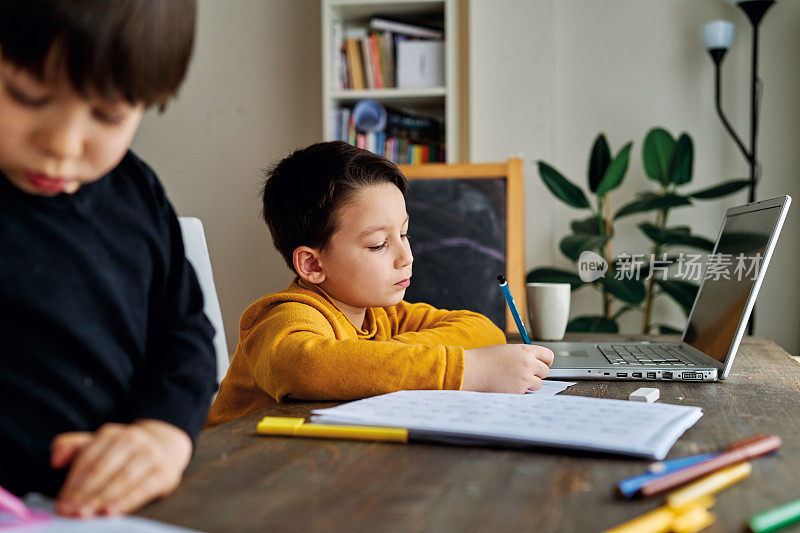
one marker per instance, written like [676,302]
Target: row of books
[400,122]
[400,150]
[365,58]
[407,138]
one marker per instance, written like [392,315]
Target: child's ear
[306,263]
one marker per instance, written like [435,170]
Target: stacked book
[365,57]
[408,137]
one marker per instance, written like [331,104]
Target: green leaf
[678,236]
[599,160]
[650,203]
[630,291]
[615,172]
[565,190]
[681,168]
[553,275]
[683,230]
[668,330]
[683,292]
[573,245]
[657,153]
[592,324]
[653,232]
[647,194]
[723,189]
[589,225]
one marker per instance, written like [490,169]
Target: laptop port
[622,374]
[651,375]
[636,375]
[694,376]
[666,375]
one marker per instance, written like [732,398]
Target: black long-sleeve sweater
[101,319]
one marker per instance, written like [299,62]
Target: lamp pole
[755,11]
[718,36]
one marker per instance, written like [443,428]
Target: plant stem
[661,222]
[606,211]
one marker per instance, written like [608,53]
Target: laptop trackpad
[571,353]
[575,358]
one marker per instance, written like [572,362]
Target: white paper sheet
[615,426]
[551,388]
[123,524]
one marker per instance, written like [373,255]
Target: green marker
[776,518]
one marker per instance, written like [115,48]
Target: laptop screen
[730,273]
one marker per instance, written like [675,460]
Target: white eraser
[645,394]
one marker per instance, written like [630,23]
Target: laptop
[716,322]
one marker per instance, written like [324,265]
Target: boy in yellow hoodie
[342,331]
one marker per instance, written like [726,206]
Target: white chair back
[194,241]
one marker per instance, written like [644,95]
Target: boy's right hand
[512,368]
[119,467]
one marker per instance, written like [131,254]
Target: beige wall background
[252,95]
[545,76]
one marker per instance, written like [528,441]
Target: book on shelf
[386,45]
[405,123]
[366,57]
[375,60]
[354,64]
[336,54]
[409,137]
[405,28]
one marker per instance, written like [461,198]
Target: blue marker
[628,487]
[513,307]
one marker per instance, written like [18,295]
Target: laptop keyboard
[645,354]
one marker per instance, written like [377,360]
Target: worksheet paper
[577,422]
[122,524]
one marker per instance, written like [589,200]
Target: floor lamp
[718,36]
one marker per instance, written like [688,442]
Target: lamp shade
[718,34]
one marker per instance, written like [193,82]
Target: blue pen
[630,486]
[513,307]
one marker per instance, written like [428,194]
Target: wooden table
[239,481]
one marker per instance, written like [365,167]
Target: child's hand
[511,368]
[120,467]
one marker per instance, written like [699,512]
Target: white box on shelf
[420,64]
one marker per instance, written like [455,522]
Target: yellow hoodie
[296,343]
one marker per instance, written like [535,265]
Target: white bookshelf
[443,102]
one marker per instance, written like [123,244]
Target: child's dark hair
[139,49]
[303,193]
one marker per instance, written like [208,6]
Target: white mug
[548,310]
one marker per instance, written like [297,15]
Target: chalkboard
[466,228]
[457,230]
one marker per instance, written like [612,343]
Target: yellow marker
[694,520]
[295,427]
[656,521]
[666,518]
[710,484]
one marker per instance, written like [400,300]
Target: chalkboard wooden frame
[512,172]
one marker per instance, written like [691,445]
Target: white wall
[554,73]
[252,95]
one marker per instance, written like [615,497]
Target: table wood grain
[239,481]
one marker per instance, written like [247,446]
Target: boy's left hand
[119,467]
